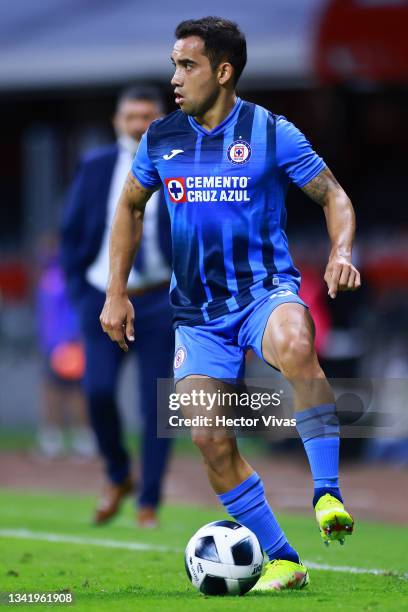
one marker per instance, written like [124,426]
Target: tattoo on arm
[319,188]
[136,195]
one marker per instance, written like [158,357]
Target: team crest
[239,152]
[177,189]
[179,357]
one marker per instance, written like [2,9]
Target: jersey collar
[219,128]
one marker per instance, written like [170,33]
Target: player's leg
[238,487]
[103,359]
[288,344]
[154,345]
[212,352]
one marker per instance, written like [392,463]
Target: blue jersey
[225,190]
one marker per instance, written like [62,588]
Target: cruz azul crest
[177,189]
[239,152]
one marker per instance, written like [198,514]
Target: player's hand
[117,319]
[341,275]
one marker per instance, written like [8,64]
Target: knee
[297,356]
[217,452]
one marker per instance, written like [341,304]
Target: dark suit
[83,227]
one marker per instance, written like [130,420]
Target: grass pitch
[149,575]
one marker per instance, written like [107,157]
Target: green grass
[17,440]
[115,579]
[25,440]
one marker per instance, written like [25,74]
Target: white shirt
[155,268]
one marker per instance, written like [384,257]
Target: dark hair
[223,40]
[141,92]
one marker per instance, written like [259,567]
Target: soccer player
[225,165]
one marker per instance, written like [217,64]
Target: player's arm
[118,315]
[340,274]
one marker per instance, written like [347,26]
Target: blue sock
[319,429]
[323,455]
[247,504]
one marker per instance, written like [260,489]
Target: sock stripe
[239,514]
[305,419]
[255,484]
[318,422]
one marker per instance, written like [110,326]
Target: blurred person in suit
[87,219]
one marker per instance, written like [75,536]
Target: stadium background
[339,71]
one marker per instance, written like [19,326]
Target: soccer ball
[223,558]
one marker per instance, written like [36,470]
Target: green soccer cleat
[280,574]
[333,519]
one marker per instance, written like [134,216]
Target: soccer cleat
[333,519]
[280,574]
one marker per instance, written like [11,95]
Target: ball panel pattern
[206,549]
[243,552]
[214,585]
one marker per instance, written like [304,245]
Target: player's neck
[218,112]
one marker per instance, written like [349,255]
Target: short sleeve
[295,155]
[142,167]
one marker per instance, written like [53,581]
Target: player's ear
[225,73]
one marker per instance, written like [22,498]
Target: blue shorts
[217,349]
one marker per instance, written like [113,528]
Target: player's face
[196,86]
[133,117]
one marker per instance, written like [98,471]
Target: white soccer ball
[223,558]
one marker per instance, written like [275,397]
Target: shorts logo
[239,152]
[177,189]
[179,357]
[280,294]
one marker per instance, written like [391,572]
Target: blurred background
[337,68]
